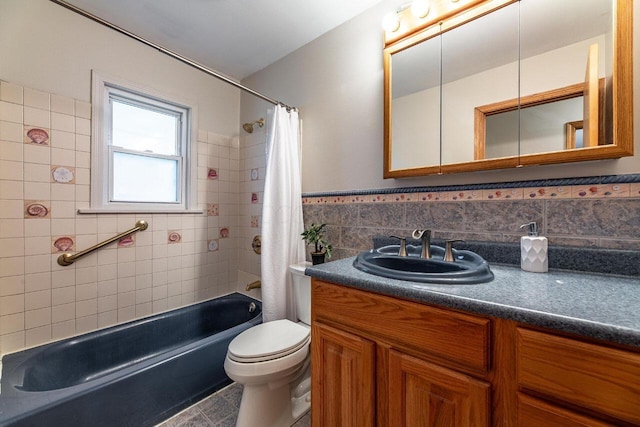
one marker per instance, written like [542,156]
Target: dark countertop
[593,305]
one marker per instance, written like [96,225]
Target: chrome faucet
[425,239]
[403,246]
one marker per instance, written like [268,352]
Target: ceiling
[234,37]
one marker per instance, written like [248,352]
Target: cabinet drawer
[536,413]
[455,338]
[603,379]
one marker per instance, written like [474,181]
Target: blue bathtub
[135,374]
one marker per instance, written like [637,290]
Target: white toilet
[272,362]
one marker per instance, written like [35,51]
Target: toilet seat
[268,341]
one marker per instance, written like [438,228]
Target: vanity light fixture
[419,9]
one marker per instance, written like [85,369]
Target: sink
[468,268]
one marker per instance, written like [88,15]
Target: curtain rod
[170,53]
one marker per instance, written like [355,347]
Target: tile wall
[593,215]
[44,178]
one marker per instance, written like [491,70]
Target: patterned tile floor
[218,410]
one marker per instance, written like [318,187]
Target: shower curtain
[282,221]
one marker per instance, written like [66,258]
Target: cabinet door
[424,394]
[343,378]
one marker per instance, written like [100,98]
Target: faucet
[254,285]
[425,239]
[403,246]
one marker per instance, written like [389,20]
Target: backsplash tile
[597,215]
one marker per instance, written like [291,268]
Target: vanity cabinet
[384,361]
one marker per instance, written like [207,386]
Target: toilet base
[275,405]
[263,406]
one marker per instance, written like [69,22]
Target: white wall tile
[37,300]
[10,131]
[36,98]
[86,324]
[10,190]
[63,140]
[37,282]
[12,342]
[63,227]
[83,109]
[11,151]
[10,170]
[37,172]
[37,191]
[12,304]
[37,336]
[63,312]
[107,318]
[11,209]
[37,154]
[13,266]
[63,192]
[86,308]
[11,112]
[37,245]
[62,104]
[37,228]
[63,157]
[11,285]
[36,318]
[11,92]
[62,122]
[37,117]
[63,329]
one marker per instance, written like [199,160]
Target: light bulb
[420,8]
[391,22]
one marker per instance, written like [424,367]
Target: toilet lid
[268,341]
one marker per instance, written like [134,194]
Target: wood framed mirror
[544,68]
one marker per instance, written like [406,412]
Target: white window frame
[103,90]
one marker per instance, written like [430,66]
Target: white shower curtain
[282,221]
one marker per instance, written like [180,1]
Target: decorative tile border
[614,186]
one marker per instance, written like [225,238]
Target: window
[141,150]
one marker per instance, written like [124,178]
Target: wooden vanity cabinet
[383,361]
[387,362]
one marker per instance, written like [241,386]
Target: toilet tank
[301,291]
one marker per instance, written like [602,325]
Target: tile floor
[218,410]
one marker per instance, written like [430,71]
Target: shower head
[248,127]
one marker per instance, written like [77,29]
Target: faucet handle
[403,245]
[448,251]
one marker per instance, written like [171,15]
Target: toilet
[272,362]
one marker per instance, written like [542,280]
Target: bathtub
[135,374]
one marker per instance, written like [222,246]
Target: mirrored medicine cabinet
[479,85]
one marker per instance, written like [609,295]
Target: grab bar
[254,285]
[68,259]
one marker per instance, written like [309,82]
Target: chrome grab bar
[68,259]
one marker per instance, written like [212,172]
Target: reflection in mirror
[574,135]
[538,120]
[479,66]
[559,41]
[415,88]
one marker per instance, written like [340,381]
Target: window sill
[140,211]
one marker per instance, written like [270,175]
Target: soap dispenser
[533,250]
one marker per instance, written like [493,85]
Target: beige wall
[336,81]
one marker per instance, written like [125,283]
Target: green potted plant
[314,235]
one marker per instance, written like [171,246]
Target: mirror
[529,66]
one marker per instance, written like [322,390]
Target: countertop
[594,305]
